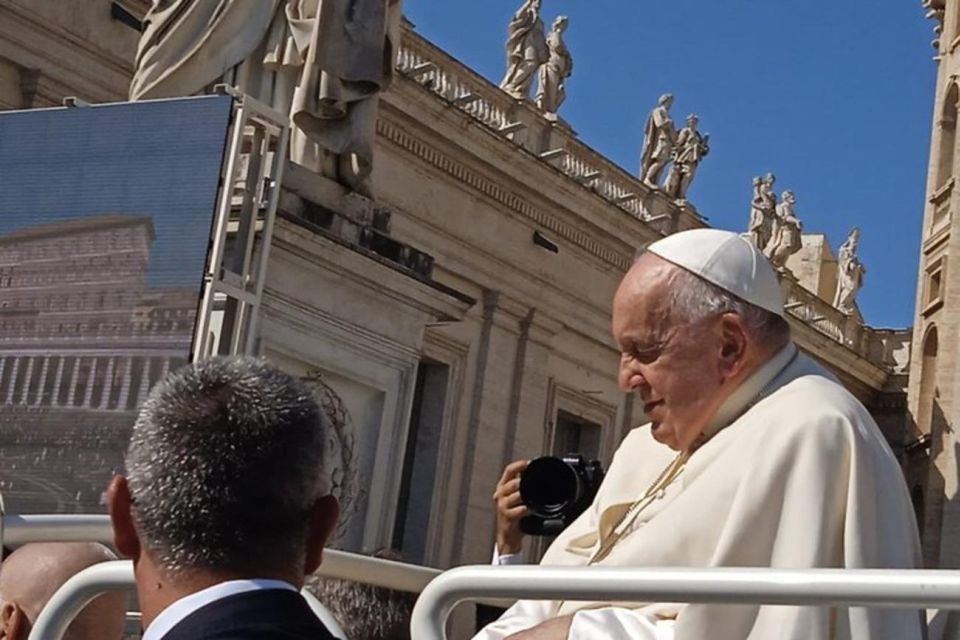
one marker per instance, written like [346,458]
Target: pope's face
[675,367]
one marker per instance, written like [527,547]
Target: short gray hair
[693,299]
[224,466]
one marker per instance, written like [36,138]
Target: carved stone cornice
[494,191]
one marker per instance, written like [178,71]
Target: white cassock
[796,476]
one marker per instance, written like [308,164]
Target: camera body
[556,491]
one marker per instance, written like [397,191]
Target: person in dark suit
[225,507]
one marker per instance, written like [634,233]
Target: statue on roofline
[527,50]
[323,63]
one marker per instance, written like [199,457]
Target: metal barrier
[852,587]
[16,529]
[21,529]
[76,593]
[86,585]
[81,589]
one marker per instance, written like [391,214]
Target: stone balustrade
[882,347]
[556,144]
[552,140]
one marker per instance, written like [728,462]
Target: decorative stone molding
[517,121]
[492,190]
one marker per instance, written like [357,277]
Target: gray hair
[693,299]
[224,466]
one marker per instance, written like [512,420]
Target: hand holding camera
[541,497]
[510,508]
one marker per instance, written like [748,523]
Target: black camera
[557,491]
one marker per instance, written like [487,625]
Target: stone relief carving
[762,211]
[325,68]
[527,49]
[690,149]
[785,236]
[850,273]
[554,73]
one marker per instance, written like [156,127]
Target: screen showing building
[105,217]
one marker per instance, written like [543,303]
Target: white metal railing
[77,592]
[86,585]
[441,592]
[852,587]
[21,529]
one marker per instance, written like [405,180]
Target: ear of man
[120,505]
[735,345]
[13,622]
[323,522]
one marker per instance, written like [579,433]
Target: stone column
[43,381]
[73,381]
[88,392]
[26,380]
[57,380]
[13,381]
[107,384]
[144,380]
[125,385]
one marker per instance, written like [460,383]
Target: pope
[754,456]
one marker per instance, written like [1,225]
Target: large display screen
[105,218]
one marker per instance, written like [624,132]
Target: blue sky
[834,97]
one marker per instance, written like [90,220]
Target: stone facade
[931,463]
[464,316]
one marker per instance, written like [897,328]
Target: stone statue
[526,50]
[850,273]
[785,238]
[762,211]
[690,149]
[553,75]
[325,68]
[659,139]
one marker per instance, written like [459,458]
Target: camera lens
[548,485]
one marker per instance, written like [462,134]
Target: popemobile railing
[441,592]
[887,588]
[79,590]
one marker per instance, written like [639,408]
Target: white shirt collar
[176,612]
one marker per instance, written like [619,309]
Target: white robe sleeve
[506,559]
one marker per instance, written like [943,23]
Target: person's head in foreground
[223,483]
[33,573]
[687,341]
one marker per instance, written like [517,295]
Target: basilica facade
[462,312]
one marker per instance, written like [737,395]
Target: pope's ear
[734,342]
